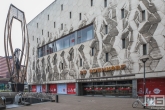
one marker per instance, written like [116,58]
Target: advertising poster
[71,88]
[33,88]
[153,86]
[61,89]
[39,88]
[44,88]
[53,88]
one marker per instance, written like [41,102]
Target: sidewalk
[67,102]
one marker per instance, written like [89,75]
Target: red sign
[153,86]
[34,88]
[53,88]
[71,88]
[43,88]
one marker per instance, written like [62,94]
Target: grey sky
[31,8]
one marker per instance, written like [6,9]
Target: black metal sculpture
[19,56]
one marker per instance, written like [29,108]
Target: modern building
[4,74]
[98,47]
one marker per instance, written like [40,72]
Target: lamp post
[144,59]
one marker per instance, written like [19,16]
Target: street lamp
[144,59]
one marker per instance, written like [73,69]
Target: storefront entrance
[113,88]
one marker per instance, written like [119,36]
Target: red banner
[43,88]
[33,88]
[154,86]
[71,88]
[53,88]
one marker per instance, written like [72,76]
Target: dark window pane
[122,13]
[91,2]
[144,49]
[80,62]
[106,29]
[143,15]
[123,43]
[107,59]
[92,51]
[105,3]
[80,16]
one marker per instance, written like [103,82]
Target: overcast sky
[31,8]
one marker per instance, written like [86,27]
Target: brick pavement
[67,102]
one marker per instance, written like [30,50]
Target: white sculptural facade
[119,31]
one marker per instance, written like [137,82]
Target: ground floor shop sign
[71,88]
[33,89]
[53,88]
[155,86]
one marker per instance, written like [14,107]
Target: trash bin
[56,98]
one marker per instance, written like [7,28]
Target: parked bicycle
[147,102]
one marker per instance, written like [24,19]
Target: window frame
[123,43]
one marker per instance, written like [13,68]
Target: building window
[33,38]
[71,56]
[106,57]
[54,24]
[91,2]
[105,3]
[106,29]
[70,14]
[61,7]
[93,51]
[37,40]
[80,62]
[48,17]
[62,66]
[37,25]
[80,16]
[42,32]
[143,15]
[123,43]
[61,26]
[144,49]
[122,13]
[48,33]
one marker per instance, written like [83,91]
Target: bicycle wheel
[135,104]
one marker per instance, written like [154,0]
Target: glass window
[92,51]
[144,49]
[91,2]
[122,13]
[50,48]
[72,39]
[66,42]
[59,44]
[61,7]
[87,34]
[54,46]
[123,43]
[80,62]
[105,3]
[107,55]
[79,37]
[80,16]
[143,15]
[106,29]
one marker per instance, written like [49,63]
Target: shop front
[33,88]
[154,86]
[53,88]
[109,88]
